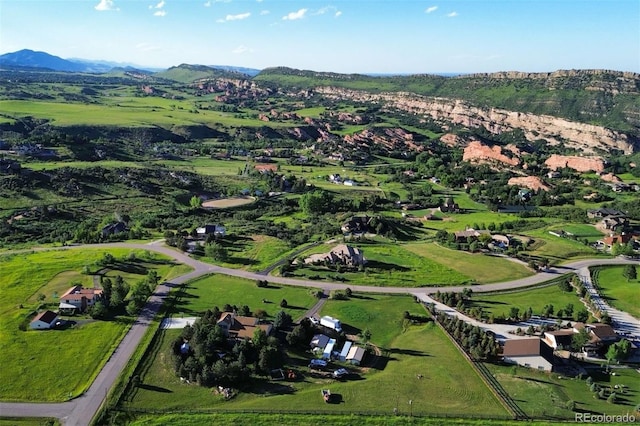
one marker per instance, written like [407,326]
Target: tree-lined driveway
[81,410]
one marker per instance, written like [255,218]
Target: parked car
[340,372]
[317,364]
[314,320]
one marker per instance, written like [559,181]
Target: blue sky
[346,36]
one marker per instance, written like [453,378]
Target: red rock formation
[476,152]
[580,164]
[532,182]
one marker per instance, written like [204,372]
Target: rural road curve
[80,411]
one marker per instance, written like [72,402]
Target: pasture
[542,394]
[28,354]
[408,351]
[619,292]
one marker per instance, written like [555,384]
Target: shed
[326,354]
[345,350]
[44,320]
[319,341]
[355,355]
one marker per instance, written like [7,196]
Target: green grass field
[28,354]
[481,268]
[619,292]
[501,303]
[218,290]
[557,249]
[389,264]
[261,419]
[409,350]
[542,394]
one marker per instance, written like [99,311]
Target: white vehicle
[314,320]
[340,372]
[332,323]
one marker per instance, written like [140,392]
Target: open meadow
[501,304]
[413,365]
[545,395]
[33,281]
[618,291]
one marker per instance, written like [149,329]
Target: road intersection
[80,411]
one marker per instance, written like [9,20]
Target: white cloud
[242,49]
[431,9]
[292,16]
[264,12]
[237,17]
[160,5]
[147,47]
[328,9]
[160,13]
[338,13]
[452,14]
[105,5]
[208,4]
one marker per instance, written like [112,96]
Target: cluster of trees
[115,295]
[475,341]
[204,354]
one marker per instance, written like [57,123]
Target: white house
[44,320]
[215,230]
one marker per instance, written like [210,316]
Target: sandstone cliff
[476,152]
[585,137]
[532,182]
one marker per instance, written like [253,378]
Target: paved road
[81,410]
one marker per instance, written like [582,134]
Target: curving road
[81,410]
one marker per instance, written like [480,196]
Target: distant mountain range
[31,59]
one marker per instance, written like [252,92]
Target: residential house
[357,225]
[318,342]
[614,223]
[79,299]
[449,206]
[241,327]
[603,212]
[266,168]
[502,241]
[355,355]
[559,339]
[609,241]
[530,353]
[44,320]
[114,228]
[215,230]
[602,334]
[469,233]
[341,254]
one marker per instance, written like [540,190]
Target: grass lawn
[388,264]
[408,351]
[557,249]
[256,252]
[47,355]
[481,268]
[262,419]
[218,290]
[537,298]
[617,290]
[542,394]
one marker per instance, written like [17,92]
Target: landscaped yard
[63,361]
[619,292]
[481,268]
[408,351]
[542,394]
[387,265]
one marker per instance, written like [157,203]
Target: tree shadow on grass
[409,352]
[241,261]
[376,264]
[153,388]
[266,387]
[129,268]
